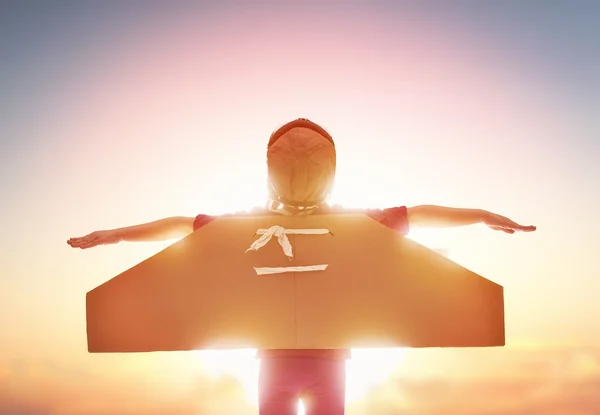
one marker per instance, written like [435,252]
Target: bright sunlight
[367,369]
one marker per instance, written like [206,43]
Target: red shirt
[394,218]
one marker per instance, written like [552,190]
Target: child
[301,161]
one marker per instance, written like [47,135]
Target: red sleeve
[202,220]
[395,218]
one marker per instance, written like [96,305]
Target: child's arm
[440,216]
[160,230]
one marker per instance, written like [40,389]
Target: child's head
[301,164]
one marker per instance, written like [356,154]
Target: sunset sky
[113,115]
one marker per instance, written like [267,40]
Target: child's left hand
[95,239]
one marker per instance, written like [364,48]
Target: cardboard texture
[380,289]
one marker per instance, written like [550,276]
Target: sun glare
[432,239]
[367,369]
[241,364]
[301,409]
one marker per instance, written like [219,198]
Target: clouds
[38,387]
[499,382]
[102,108]
[484,397]
[543,382]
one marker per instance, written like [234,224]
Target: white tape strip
[294,231]
[281,234]
[281,270]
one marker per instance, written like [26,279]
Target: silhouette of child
[301,161]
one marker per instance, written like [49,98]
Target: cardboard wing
[379,289]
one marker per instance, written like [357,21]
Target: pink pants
[321,383]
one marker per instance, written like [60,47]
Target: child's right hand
[94,239]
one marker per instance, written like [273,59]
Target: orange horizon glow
[119,117]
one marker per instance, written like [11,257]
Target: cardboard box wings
[379,289]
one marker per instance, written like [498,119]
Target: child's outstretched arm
[440,216]
[160,230]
